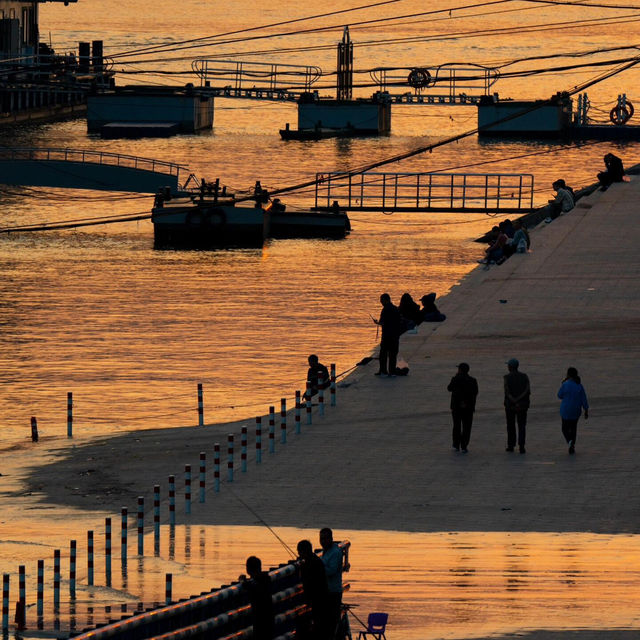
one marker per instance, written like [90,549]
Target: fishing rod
[262,521]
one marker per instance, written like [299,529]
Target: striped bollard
[272,430]
[69,415]
[200,406]
[258,439]
[40,594]
[90,558]
[21,607]
[124,516]
[308,403]
[243,449]
[172,500]
[203,474]
[320,395]
[297,413]
[168,580]
[34,429]
[187,488]
[283,420]
[230,457]
[107,551]
[333,385]
[5,603]
[140,525]
[56,580]
[216,467]
[73,559]
[156,518]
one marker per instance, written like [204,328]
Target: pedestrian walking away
[574,400]
[517,392]
[464,390]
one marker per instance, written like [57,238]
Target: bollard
[216,467]
[69,415]
[156,518]
[283,420]
[56,580]
[320,395]
[297,414]
[333,385]
[40,593]
[107,550]
[90,558]
[243,449]
[258,439]
[34,429]
[187,488]
[272,430]
[73,555]
[5,603]
[168,579]
[21,605]
[200,406]
[230,457]
[140,525]
[308,402]
[203,471]
[172,500]
[124,516]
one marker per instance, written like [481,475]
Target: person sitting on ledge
[410,312]
[429,310]
[317,376]
[495,252]
[521,240]
[614,172]
[563,202]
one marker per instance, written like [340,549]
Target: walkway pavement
[382,458]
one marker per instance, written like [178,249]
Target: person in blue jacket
[574,400]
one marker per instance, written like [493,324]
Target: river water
[131,330]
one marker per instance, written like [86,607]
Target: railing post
[123,536]
[216,467]
[272,430]
[172,500]
[90,558]
[140,525]
[5,603]
[283,420]
[156,518]
[187,488]
[243,449]
[230,457]
[333,384]
[107,551]
[258,439]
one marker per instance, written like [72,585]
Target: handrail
[373,191]
[90,156]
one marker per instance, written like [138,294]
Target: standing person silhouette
[516,404]
[464,390]
[390,322]
[258,587]
[332,560]
[574,400]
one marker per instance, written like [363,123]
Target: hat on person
[513,363]
[463,366]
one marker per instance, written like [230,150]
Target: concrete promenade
[382,458]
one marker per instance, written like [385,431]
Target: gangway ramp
[86,169]
[445,192]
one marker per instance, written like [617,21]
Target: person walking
[464,390]
[517,392]
[574,400]
[390,340]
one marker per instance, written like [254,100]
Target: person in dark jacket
[410,311]
[429,311]
[614,172]
[258,587]
[464,390]
[390,322]
[317,376]
[516,404]
[314,588]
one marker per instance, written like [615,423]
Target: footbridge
[85,169]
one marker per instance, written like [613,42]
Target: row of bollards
[20,610]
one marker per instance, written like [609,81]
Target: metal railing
[93,157]
[482,192]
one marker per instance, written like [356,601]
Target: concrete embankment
[382,458]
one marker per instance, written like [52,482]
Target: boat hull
[207,225]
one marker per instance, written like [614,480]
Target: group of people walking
[517,392]
[321,578]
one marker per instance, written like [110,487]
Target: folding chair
[376,625]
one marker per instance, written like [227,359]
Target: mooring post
[333,385]
[258,439]
[200,406]
[283,420]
